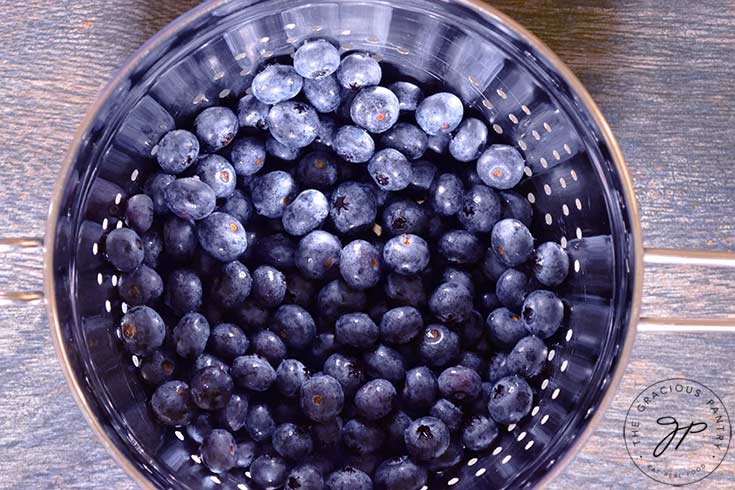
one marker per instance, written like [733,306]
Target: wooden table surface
[663,72]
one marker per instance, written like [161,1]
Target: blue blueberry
[384,362]
[139,213]
[157,368]
[375,399]
[200,427]
[294,325]
[451,303]
[205,360]
[336,298]
[400,473]
[179,239]
[153,246]
[155,188]
[268,345]
[190,335]
[323,94]
[461,247]
[353,208]
[472,330]
[405,290]
[124,249]
[542,313]
[469,140]
[321,398]
[317,253]
[348,478]
[232,285]
[211,388]
[276,250]
[438,346]
[239,206]
[401,325]
[327,434]
[426,438]
[498,367]
[505,328]
[259,422]
[307,212]
[177,151]
[420,388]
[359,70]
[480,209]
[246,452]
[216,127]
[512,242]
[362,437]
[390,170]
[141,286]
[439,143]
[293,123]
[488,301]
[190,198]
[276,149]
[253,372]
[510,400]
[360,265]
[479,433]
[317,169]
[269,471]
[247,155]
[439,113]
[395,426]
[250,315]
[550,264]
[407,139]
[447,194]
[492,266]
[402,216]
[356,330]
[460,384]
[409,95]
[528,357]
[272,193]
[269,286]
[222,236]
[513,205]
[233,415]
[172,404]
[292,441]
[304,477]
[228,341]
[252,113]
[501,167]
[451,458]
[464,278]
[512,288]
[217,173]
[449,413]
[353,144]
[183,291]
[375,109]
[406,254]
[347,371]
[473,361]
[276,83]
[290,375]
[300,291]
[316,59]
[327,128]
[422,176]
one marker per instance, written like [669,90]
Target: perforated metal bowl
[576,181]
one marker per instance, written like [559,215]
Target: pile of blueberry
[333,285]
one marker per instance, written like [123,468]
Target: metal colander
[576,182]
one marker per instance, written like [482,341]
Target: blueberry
[528,357]
[248,155]
[219,451]
[177,151]
[498,367]
[542,313]
[405,290]
[183,291]
[250,315]
[422,176]
[171,402]
[473,361]
[512,242]
[362,437]
[317,253]
[190,335]
[336,298]
[480,209]
[426,438]
[360,264]
[290,375]
[217,173]
[272,192]
[205,360]
[384,362]
[479,433]
[190,198]
[259,423]
[449,413]
[492,267]
[124,249]
[228,341]
[469,140]
[359,70]
[317,169]
[452,274]
[460,247]
[400,473]
[252,113]
[390,170]
[246,451]
[292,441]
[402,216]
[439,143]
[459,383]
[141,286]
[157,368]
[143,330]
[472,330]
[439,113]
[353,144]
[510,400]
[276,83]
[269,286]
[407,139]
[395,426]
[324,94]
[501,167]
[216,127]
[268,345]
[505,328]
[419,391]
[512,288]
[327,434]
[321,398]
[139,213]
[347,371]
[353,208]
[269,471]
[232,416]
[304,477]
[401,325]
[153,246]
[375,109]
[294,325]
[451,302]
[446,194]
[293,123]
[356,330]
[277,250]
[211,388]
[550,264]
[439,345]
[409,95]
[406,254]
[327,128]
[253,372]
[200,427]
[451,458]
[513,205]
[375,399]
[239,206]
[155,188]
[307,212]
[222,236]
[316,59]
[232,285]
[179,239]
[278,150]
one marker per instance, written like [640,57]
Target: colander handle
[668,256]
[8,245]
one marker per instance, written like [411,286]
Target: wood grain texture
[662,71]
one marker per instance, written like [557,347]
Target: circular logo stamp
[677,431]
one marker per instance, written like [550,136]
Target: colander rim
[486,11]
